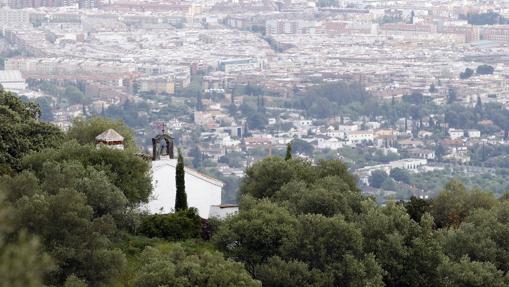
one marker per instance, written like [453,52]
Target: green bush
[176,226]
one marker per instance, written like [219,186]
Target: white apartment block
[14,18]
[348,128]
[356,137]
[283,26]
[474,133]
[455,133]
[411,164]
[12,80]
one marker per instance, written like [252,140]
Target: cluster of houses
[416,150]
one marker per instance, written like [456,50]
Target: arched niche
[156,141]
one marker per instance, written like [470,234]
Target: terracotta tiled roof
[109,136]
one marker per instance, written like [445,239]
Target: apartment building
[283,26]
[14,17]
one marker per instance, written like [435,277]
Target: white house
[348,128]
[411,164]
[329,143]
[455,133]
[202,191]
[355,137]
[424,134]
[373,125]
[303,123]
[458,154]
[474,133]
[333,133]
[422,153]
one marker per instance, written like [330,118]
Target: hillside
[69,217]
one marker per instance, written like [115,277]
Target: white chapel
[202,191]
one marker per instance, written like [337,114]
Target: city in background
[408,93]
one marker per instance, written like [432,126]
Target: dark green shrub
[176,226]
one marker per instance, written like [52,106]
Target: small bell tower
[159,150]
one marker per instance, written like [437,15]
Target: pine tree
[181,197]
[288,152]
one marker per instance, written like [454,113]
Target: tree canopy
[124,169]
[484,70]
[19,250]
[73,210]
[21,132]
[84,130]
[70,212]
[327,99]
[377,178]
[178,268]
[308,225]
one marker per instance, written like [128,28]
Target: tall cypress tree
[199,102]
[478,107]
[288,152]
[233,108]
[181,197]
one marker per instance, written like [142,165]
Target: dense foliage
[484,70]
[19,250]
[184,224]
[74,211]
[351,100]
[67,93]
[305,225]
[127,171]
[466,74]
[70,212]
[85,130]
[178,268]
[434,181]
[21,132]
[328,99]
[377,178]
